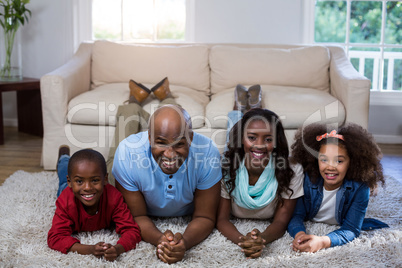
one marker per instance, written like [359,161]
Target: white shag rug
[27,204]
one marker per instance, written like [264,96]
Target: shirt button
[170,186]
[171,176]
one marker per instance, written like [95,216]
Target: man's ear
[69,181]
[151,138]
[191,134]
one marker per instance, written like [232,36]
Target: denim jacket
[351,204]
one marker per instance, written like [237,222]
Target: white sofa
[302,84]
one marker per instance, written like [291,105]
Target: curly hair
[235,153]
[364,153]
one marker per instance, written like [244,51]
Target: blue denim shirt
[351,204]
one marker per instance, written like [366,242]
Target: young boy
[89,204]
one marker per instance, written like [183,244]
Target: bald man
[170,171]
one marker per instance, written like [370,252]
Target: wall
[251,21]
[49,40]
[385,122]
[46,45]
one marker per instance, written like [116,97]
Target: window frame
[378,96]
[85,20]
[82,22]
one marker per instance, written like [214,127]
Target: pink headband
[332,134]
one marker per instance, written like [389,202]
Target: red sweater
[70,217]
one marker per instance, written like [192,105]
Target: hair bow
[332,134]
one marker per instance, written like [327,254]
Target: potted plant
[14,14]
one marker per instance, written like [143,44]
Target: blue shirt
[166,195]
[351,205]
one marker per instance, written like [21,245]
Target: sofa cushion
[185,65]
[99,106]
[301,67]
[296,106]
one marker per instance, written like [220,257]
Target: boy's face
[87,182]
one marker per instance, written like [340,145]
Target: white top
[326,213]
[296,184]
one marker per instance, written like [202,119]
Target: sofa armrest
[61,85]
[350,87]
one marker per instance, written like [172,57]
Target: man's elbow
[208,221]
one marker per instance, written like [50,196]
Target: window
[139,20]
[370,31]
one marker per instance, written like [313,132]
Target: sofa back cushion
[184,65]
[300,67]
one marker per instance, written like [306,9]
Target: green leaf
[15,13]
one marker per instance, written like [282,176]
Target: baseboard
[389,139]
[10,122]
[386,98]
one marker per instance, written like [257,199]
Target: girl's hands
[310,243]
[252,244]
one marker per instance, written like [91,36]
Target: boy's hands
[252,244]
[98,250]
[112,252]
[171,248]
[109,252]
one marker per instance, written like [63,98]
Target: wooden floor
[23,151]
[20,151]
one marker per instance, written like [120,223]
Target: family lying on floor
[171,171]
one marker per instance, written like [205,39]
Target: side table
[29,106]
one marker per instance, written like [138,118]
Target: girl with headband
[341,167]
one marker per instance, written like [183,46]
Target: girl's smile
[258,154]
